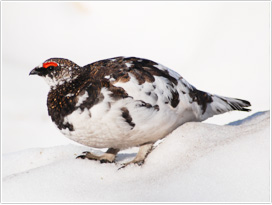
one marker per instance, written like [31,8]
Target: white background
[219,47]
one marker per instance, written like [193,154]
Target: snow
[197,162]
[219,47]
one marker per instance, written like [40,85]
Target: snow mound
[197,162]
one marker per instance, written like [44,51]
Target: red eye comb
[46,65]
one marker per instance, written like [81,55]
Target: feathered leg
[109,156]
[141,155]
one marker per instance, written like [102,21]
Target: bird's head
[56,71]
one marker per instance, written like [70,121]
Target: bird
[123,102]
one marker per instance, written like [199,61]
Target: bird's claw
[139,163]
[87,155]
[81,157]
[91,156]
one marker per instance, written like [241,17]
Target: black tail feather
[237,104]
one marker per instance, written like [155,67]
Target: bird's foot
[139,163]
[108,157]
[141,156]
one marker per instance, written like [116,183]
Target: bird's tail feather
[224,104]
[219,104]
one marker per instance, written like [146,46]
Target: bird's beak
[34,72]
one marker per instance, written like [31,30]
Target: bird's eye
[50,67]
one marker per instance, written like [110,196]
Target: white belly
[103,126]
[111,130]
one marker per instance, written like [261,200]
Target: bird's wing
[150,84]
[141,79]
[155,84]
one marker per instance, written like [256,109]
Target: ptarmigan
[124,102]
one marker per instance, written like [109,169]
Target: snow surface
[198,162]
